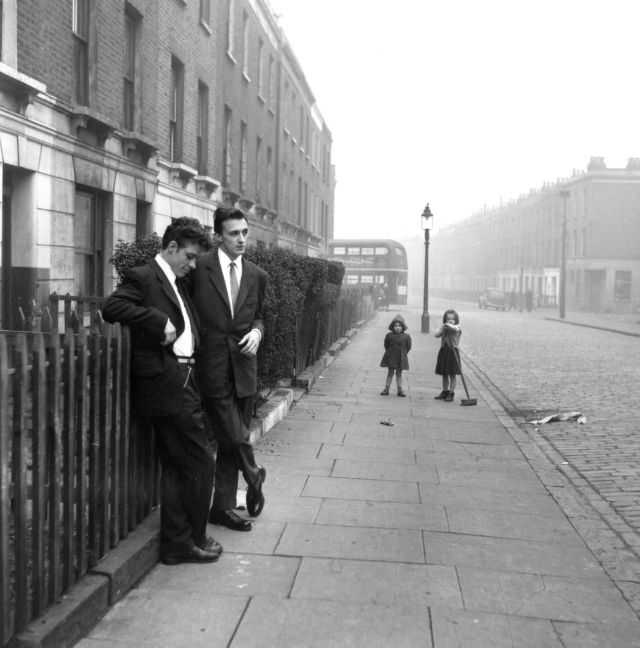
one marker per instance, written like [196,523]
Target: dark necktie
[233,283]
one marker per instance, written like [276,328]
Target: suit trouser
[230,417]
[187,465]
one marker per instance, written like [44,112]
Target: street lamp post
[426,221]
[562,296]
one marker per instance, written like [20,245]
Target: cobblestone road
[536,367]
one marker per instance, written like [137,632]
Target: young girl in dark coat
[397,344]
[447,363]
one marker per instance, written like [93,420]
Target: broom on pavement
[467,400]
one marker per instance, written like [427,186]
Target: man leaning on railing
[164,339]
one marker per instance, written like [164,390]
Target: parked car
[493,298]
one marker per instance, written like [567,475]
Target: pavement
[626,324]
[389,522]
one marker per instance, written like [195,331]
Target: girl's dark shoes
[442,395]
[384,392]
[401,392]
[449,396]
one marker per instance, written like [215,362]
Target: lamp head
[426,218]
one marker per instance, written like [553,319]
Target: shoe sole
[230,527]
[254,511]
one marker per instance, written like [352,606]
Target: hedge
[302,294]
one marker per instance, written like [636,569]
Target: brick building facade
[117,116]
[517,246]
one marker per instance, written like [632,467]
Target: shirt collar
[166,268]
[225,259]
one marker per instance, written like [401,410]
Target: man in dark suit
[151,300]
[228,292]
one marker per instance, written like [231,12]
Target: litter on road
[579,417]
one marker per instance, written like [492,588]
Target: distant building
[517,246]
[116,117]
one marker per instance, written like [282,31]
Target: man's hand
[250,342]
[169,333]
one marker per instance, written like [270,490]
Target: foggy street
[536,367]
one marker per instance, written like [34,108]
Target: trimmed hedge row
[302,296]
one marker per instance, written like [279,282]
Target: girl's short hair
[448,312]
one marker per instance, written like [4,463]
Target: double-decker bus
[374,263]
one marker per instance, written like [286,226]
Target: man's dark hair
[223,214]
[186,230]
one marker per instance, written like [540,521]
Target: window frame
[176,110]
[80,18]
[132,25]
[242,185]
[202,129]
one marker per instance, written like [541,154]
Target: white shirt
[183,346]
[225,262]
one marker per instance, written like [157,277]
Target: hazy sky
[462,103]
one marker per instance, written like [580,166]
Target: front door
[596,288]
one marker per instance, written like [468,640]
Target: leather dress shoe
[255,497]
[229,519]
[193,554]
[209,544]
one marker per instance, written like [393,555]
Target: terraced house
[117,116]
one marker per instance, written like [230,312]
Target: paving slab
[234,574]
[525,480]
[488,434]
[310,623]
[358,543]
[485,498]
[364,489]
[500,524]
[585,600]
[515,466]
[476,449]
[508,554]
[455,413]
[304,435]
[391,440]
[272,446]
[399,430]
[282,464]
[462,629]
[367,453]
[586,635]
[376,582]
[157,617]
[318,412]
[389,515]
[290,509]
[263,542]
[385,471]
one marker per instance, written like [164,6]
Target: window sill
[133,142]
[179,172]
[20,85]
[87,119]
[205,185]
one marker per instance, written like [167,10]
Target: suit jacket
[144,301]
[219,356]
